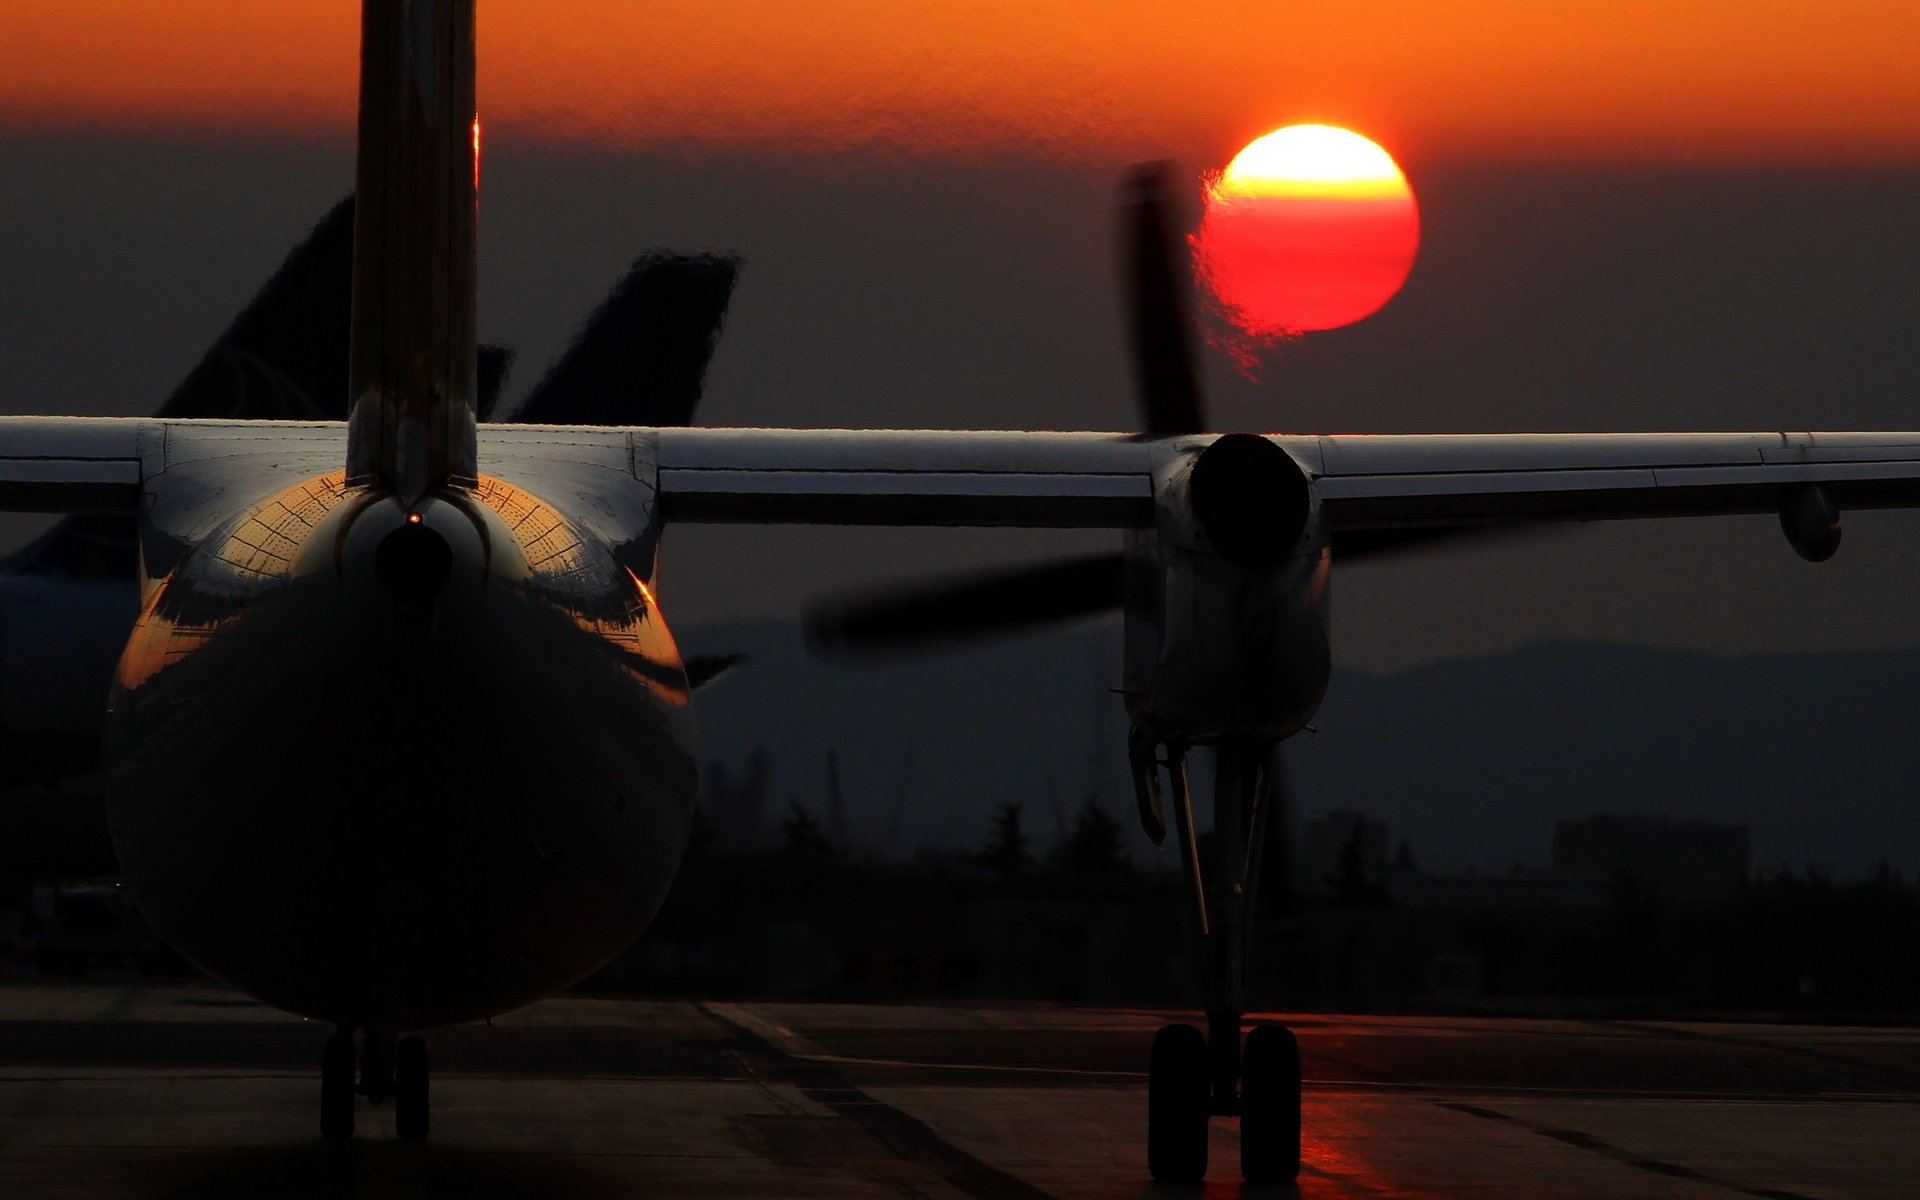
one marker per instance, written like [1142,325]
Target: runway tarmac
[191,1092]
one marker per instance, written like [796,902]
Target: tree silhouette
[800,834]
[1006,853]
[1092,850]
[1349,884]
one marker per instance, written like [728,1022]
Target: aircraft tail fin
[413,362]
[284,357]
[641,358]
[494,363]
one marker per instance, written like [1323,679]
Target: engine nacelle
[1811,520]
[1227,598]
[1249,499]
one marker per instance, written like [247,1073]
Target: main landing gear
[1194,1076]
[385,1068]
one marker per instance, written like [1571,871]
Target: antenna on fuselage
[411,422]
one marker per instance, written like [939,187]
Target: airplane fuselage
[395,766]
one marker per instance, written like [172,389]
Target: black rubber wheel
[410,1089]
[1179,1101]
[1270,1106]
[336,1088]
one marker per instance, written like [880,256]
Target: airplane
[69,597]
[401,737]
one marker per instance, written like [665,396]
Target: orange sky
[1747,80]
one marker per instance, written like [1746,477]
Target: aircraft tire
[410,1089]
[336,1088]
[1270,1106]
[1179,1102]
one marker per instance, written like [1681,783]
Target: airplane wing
[1379,494]
[1375,481]
[1062,480]
[902,477]
[73,464]
[1365,482]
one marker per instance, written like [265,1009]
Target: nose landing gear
[1270,1106]
[1181,1099]
[384,1070]
[1194,1076]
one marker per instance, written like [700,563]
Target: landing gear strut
[385,1069]
[1195,1076]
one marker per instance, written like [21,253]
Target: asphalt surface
[170,1092]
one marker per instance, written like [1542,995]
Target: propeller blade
[1159,290]
[998,601]
[1158,281]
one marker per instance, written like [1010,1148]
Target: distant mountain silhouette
[1471,760]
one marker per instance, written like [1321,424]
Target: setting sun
[1310,227]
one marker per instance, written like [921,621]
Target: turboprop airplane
[69,597]
[401,736]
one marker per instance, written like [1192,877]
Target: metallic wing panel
[934,477]
[1387,481]
[903,477]
[71,464]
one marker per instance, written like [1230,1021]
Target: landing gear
[1194,1076]
[1270,1106]
[383,1070]
[1179,1101]
[1182,1096]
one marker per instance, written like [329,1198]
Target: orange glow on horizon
[1309,227]
[1749,80]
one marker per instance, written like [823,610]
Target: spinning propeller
[1007,599]
[1158,297]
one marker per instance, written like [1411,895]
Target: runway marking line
[799,1046]
[907,1136]
[1894,1079]
[1586,1141]
[795,1045]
